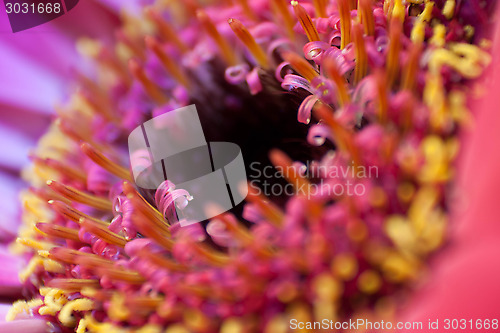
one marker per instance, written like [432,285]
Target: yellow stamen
[345,266]
[79,196]
[301,65]
[361,57]
[305,21]
[103,232]
[169,64]
[369,282]
[345,23]
[418,31]
[166,31]
[438,38]
[108,165]
[36,245]
[246,38]
[398,10]
[151,88]
[66,314]
[449,9]
[366,13]
[226,49]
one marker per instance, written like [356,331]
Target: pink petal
[25,325]
[464,280]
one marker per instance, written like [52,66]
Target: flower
[384,86]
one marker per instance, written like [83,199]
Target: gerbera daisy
[310,88]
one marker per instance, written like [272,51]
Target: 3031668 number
[470,324]
[40,8]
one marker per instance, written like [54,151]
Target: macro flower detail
[375,89]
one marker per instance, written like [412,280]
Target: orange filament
[72,213]
[73,285]
[270,211]
[281,161]
[305,21]
[300,65]
[46,194]
[76,195]
[151,88]
[136,49]
[145,207]
[345,22]
[320,8]
[247,10]
[152,230]
[226,49]
[98,108]
[103,232]
[246,38]
[236,229]
[333,73]
[366,13]
[341,134]
[281,7]
[144,302]
[69,256]
[167,32]
[395,31]
[58,231]
[63,169]
[361,57]
[353,4]
[105,267]
[161,261]
[104,162]
[73,133]
[411,68]
[170,65]
[383,104]
[210,255]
